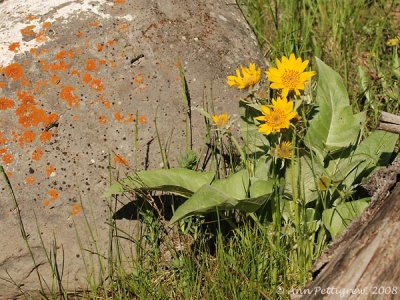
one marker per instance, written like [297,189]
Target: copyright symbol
[279,290]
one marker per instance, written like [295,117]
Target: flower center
[276,118]
[291,79]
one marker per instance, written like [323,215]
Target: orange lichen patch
[2,84]
[139,78]
[75,209]
[7,158]
[75,72]
[27,137]
[45,136]
[64,54]
[119,1]
[102,61]
[95,23]
[37,154]
[53,194]
[61,66]
[67,94]
[41,37]
[91,65]
[107,104]
[30,180]
[2,139]
[6,103]
[34,51]
[75,118]
[9,174]
[87,78]
[49,170]
[25,82]
[55,79]
[110,42]
[46,24]
[118,159]
[142,120]
[14,46]
[118,116]
[130,118]
[46,203]
[97,85]
[28,30]
[31,18]
[79,34]
[14,71]
[123,27]
[100,47]
[29,115]
[102,119]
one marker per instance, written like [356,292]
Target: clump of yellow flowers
[288,76]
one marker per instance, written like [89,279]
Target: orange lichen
[46,24]
[49,170]
[100,47]
[41,37]
[91,65]
[123,27]
[28,30]
[95,23]
[8,158]
[67,94]
[55,79]
[14,71]
[107,104]
[37,154]
[75,72]
[97,85]
[25,82]
[118,116]
[110,42]
[75,209]
[45,136]
[31,18]
[64,54]
[102,61]
[87,78]
[30,180]
[139,78]
[29,115]
[46,203]
[2,139]
[27,137]
[142,120]
[79,34]
[14,46]
[61,66]
[130,118]
[118,159]
[9,173]
[2,84]
[6,103]
[34,51]
[53,194]
[102,119]
[119,1]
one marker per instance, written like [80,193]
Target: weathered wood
[389,122]
[363,263]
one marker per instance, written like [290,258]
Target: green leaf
[177,181]
[334,126]
[229,193]
[338,218]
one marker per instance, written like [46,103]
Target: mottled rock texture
[75,80]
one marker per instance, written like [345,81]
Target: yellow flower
[290,75]
[284,150]
[394,41]
[250,76]
[276,116]
[220,120]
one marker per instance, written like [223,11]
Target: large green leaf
[338,218]
[178,181]
[229,193]
[334,126]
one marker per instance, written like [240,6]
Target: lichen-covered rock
[77,79]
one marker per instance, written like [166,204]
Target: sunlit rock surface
[76,78]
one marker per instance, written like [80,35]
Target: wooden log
[389,122]
[364,262]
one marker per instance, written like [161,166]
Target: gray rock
[70,91]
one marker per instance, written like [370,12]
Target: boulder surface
[81,83]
